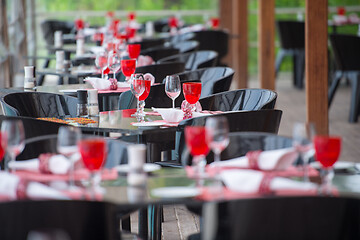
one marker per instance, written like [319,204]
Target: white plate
[148,167]
[148,125]
[175,192]
[340,165]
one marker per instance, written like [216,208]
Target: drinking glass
[137,86]
[67,145]
[195,138]
[114,61]
[93,151]
[172,87]
[217,135]
[192,93]
[134,50]
[15,135]
[327,151]
[128,67]
[101,62]
[143,96]
[303,134]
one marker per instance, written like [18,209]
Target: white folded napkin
[57,164]
[96,49]
[9,184]
[249,181]
[170,115]
[279,159]
[103,84]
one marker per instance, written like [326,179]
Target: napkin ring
[21,189]
[264,187]
[113,83]
[44,162]
[253,157]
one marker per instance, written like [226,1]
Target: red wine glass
[134,50]
[128,67]
[101,62]
[93,152]
[195,138]
[137,86]
[327,151]
[143,96]
[192,93]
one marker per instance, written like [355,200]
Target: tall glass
[137,86]
[303,134]
[327,151]
[67,145]
[128,67]
[217,135]
[172,87]
[93,151]
[114,61]
[15,135]
[101,62]
[195,138]
[192,93]
[143,96]
[134,50]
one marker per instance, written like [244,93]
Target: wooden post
[240,43]
[5,70]
[266,51]
[226,22]
[316,64]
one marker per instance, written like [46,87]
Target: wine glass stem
[114,74]
[12,157]
[305,167]
[102,73]
[72,173]
[326,183]
[173,103]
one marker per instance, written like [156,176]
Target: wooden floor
[180,223]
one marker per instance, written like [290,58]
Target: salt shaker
[58,41]
[29,77]
[80,46]
[82,110]
[136,161]
[60,57]
[93,104]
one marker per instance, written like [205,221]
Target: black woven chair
[242,99]
[64,219]
[49,27]
[194,60]
[181,37]
[266,121]
[213,79]
[346,49]
[150,43]
[161,70]
[283,218]
[157,53]
[38,104]
[215,40]
[292,41]
[186,46]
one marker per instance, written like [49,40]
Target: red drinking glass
[147,90]
[128,67]
[134,50]
[341,11]
[215,22]
[195,138]
[79,24]
[192,91]
[93,152]
[327,151]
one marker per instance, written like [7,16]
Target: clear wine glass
[172,87]
[137,86]
[114,61]
[217,135]
[327,151]
[303,134]
[67,145]
[15,135]
[101,62]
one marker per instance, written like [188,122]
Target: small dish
[176,192]
[148,167]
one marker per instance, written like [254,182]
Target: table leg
[143,223]
[105,103]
